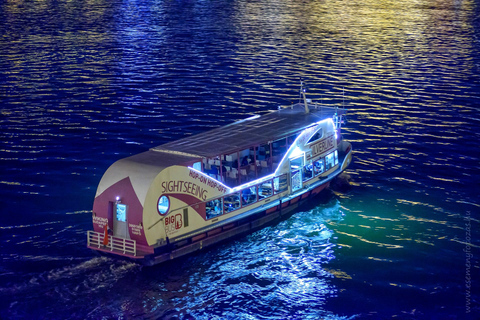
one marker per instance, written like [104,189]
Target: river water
[86,82]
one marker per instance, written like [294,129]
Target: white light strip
[294,144]
[248,119]
[251,183]
[179,153]
[237,188]
[207,176]
[334,128]
[270,176]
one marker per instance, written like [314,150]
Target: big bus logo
[173,223]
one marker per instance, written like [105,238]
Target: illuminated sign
[322,146]
[121,212]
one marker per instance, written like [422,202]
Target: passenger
[245,161]
[218,209]
[246,195]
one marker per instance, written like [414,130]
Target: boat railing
[319,106]
[97,239]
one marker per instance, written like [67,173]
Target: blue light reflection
[277,272]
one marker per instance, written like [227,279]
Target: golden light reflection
[385,245]
[423,220]
[465,243]
[377,218]
[339,274]
[378,259]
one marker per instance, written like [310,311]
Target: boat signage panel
[173,223]
[321,147]
[180,186]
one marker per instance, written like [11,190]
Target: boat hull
[251,223]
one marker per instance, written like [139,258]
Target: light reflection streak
[377,218]
[419,219]
[379,244]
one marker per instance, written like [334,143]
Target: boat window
[329,161]
[264,160]
[163,205]
[280,184]
[265,190]
[296,180]
[230,169]
[214,208]
[249,195]
[245,160]
[279,148]
[336,157]
[318,166]
[197,166]
[231,202]
[212,168]
[316,136]
[295,164]
[307,172]
[291,139]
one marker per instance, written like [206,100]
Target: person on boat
[218,208]
[246,196]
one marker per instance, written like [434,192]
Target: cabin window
[249,195]
[121,212]
[280,184]
[214,208]
[197,166]
[307,172]
[316,136]
[295,164]
[296,180]
[330,161]
[264,161]
[291,139]
[336,157]
[244,170]
[279,148]
[212,168]
[230,168]
[231,202]
[265,190]
[318,166]
[163,205]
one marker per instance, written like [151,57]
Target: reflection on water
[84,83]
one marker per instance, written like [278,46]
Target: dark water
[84,83]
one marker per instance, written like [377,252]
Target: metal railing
[127,246]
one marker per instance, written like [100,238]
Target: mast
[302,94]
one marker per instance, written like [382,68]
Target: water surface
[85,83]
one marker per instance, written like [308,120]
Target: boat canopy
[249,132]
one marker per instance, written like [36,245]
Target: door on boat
[296,173]
[120,221]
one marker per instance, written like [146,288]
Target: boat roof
[252,131]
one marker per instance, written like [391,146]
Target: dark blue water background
[84,83]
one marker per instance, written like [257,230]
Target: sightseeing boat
[185,195]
